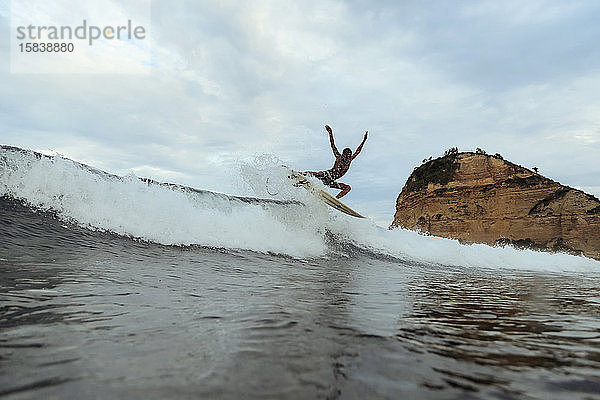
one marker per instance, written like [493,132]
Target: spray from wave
[281,220]
[163,214]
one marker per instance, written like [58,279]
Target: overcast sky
[233,79]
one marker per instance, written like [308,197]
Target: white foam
[430,249]
[128,206]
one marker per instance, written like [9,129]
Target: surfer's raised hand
[336,153]
[360,146]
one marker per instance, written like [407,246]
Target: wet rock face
[480,198]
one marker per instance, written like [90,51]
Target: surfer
[340,166]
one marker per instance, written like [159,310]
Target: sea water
[111,287]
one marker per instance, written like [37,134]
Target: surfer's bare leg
[318,174]
[345,189]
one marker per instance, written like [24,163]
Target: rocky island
[479,198]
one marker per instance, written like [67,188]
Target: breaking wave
[281,219]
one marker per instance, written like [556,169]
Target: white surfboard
[327,198]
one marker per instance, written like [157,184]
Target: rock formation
[480,198]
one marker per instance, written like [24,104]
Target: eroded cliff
[479,198]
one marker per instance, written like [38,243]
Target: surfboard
[331,201]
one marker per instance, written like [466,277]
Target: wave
[292,222]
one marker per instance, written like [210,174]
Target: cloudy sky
[233,79]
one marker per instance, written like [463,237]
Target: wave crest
[292,222]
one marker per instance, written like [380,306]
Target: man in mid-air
[340,167]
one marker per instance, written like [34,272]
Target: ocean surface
[118,287]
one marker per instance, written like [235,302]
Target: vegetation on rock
[439,171]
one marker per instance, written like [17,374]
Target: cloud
[233,79]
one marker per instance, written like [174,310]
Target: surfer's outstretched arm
[336,152]
[360,146]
